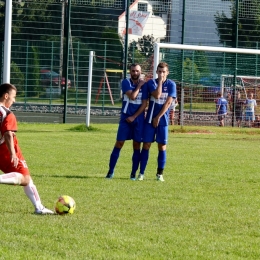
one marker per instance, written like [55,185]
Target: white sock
[32,193]
[12,178]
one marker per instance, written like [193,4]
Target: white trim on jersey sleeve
[4,114]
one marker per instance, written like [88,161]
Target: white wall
[155,25]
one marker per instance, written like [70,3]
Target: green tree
[33,73]
[201,61]
[248,25]
[248,35]
[191,72]
[145,45]
[17,78]
[143,49]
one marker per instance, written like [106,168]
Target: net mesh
[199,77]
[39,33]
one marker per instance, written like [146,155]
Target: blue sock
[135,161]
[143,160]
[161,159]
[113,159]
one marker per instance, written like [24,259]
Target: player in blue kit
[221,108]
[135,98]
[162,92]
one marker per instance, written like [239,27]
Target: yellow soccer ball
[65,205]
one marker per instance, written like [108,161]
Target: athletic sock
[135,161]
[32,193]
[12,178]
[161,159]
[143,160]
[159,171]
[113,159]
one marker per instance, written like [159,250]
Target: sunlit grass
[208,207]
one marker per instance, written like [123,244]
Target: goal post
[158,46]
[243,84]
[202,71]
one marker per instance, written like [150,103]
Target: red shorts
[7,166]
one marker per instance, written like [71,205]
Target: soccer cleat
[159,177]
[110,175]
[132,177]
[140,177]
[43,211]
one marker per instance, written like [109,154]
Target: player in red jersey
[12,162]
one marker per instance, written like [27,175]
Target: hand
[160,78]
[130,119]
[141,82]
[14,160]
[155,122]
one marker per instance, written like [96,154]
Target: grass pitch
[207,208]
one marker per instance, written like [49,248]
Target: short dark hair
[134,65]
[6,88]
[163,65]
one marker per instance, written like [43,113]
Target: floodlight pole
[7,41]
[67,62]
[235,71]
[126,36]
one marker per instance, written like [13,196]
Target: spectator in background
[230,102]
[257,122]
[174,104]
[239,105]
[221,108]
[250,109]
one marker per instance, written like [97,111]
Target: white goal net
[200,72]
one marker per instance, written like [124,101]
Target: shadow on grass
[66,176]
[95,177]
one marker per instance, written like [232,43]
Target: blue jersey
[155,105]
[222,103]
[130,107]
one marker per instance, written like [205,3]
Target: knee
[25,180]
[146,146]
[136,145]
[119,144]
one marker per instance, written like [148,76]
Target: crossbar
[157,47]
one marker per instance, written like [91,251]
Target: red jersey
[8,123]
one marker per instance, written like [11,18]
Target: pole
[66,63]
[181,106]
[126,37]
[61,40]
[104,82]
[235,71]
[7,41]
[91,54]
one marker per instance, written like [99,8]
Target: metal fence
[51,45]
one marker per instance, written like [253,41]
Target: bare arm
[162,112]
[132,94]
[141,109]
[9,140]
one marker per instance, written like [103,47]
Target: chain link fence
[49,53]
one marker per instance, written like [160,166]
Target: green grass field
[207,208]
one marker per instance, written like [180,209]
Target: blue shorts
[249,116]
[158,134]
[130,131]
